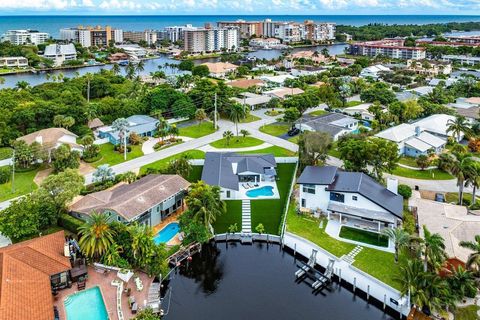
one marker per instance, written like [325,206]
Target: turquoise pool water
[266,191]
[167,233]
[86,305]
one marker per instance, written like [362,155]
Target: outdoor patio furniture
[245,186]
[131,301]
[134,308]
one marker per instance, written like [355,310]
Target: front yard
[434,174]
[275,129]
[275,150]
[197,130]
[23,184]
[163,163]
[112,157]
[237,142]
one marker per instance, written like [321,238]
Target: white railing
[237,236]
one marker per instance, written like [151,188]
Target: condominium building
[60,53]
[13,62]
[173,33]
[197,40]
[92,36]
[317,32]
[149,36]
[392,48]
[465,39]
[19,37]
[247,28]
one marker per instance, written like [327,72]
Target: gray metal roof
[332,123]
[354,182]
[218,169]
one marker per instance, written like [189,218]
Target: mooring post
[340,275]
[384,301]
[368,292]
[295,249]
[354,284]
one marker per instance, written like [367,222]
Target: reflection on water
[238,282]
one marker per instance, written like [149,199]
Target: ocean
[52,24]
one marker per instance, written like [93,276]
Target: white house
[437,124]
[282,92]
[374,71]
[335,124]
[362,111]
[60,53]
[264,42]
[351,198]
[52,138]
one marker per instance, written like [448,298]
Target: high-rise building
[247,28]
[20,37]
[92,36]
[319,32]
[149,36]
[198,40]
[173,33]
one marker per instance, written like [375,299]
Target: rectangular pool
[167,233]
[87,304]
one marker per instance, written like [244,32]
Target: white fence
[255,237]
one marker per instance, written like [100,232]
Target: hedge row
[69,223]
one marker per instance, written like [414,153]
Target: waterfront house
[148,200]
[60,53]
[351,198]
[220,69]
[335,124]
[13,62]
[144,126]
[52,138]
[30,271]
[235,174]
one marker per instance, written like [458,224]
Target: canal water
[151,65]
[238,282]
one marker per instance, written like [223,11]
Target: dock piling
[368,292]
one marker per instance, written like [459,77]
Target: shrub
[135,139]
[405,191]
[5,174]
[119,148]
[475,206]
[409,222]
[70,223]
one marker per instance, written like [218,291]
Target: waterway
[238,282]
[151,65]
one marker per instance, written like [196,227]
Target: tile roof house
[353,196]
[144,126]
[220,69]
[52,138]
[335,124]
[282,93]
[246,83]
[148,200]
[29,271]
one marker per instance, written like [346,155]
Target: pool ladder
[67,301]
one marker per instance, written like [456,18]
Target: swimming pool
[266,191]
[167,233]
[86,304]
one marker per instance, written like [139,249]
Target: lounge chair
[251,185]
[245,186]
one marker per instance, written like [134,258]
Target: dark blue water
[52,24]
[256,282]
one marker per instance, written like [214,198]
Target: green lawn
[379,264]
[162,164]
[318,113]
[364,236]
[435,174]
[250,118]
[275,129]
[467,313]
[23,184]
[353,103]
[112,157]
[197,130]
[5,153]
[334,151]
[233,215]
[275,150]
[237,142]
[408,161]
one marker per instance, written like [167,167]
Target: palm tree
[433,249]
[473,261]
[88,78]
[462,283]
[162,128]
[121,125]
[244,133]
[237,113]
[130,71]
[458,126]
[173,131]
[462,167]
[22,85]
[400,238]
[473,179]
[142,243]
[180,166]
[116,69]
[96,235]
[112,255]
[227,135]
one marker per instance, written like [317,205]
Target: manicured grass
[353,103]
[379,264]
[275,129]
[233,215]
[5,153]
[237,142]
[23,184]
[275,150]
[435,174]
[334,151]
[250,118]
[467,313]
[162,164]
[364,236]
[270,212]
[408,161]
[453,197]
[112,157]
[197,130]
[317,113]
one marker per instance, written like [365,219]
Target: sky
[235,7]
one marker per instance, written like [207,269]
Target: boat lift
[307,270]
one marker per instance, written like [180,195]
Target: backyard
[23,184]
[237,142]
[363,236]
[112,157]
[197,130]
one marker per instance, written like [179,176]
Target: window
[338,197]
[228,193]
[309,188]
[354,198]
[304,203]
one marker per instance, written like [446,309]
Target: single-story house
[405,96]
[220,69]
[148,200]
[335,124]
[462,73]
[307,71]
[351,198]
[246,83]
[235,173]
[374,71]
[310,55]
[282,93]
[448,82]
[29,272]
[144,126]
[361,110]
[94,124]
[422,91]
[253,100]
[437,124]
[467,107]
[52,138]
[276,80]
[413,140]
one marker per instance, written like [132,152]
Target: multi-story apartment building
[247,28]
[13,62]
[60,53]
[173,33]
[318,32]
[392,48]
[92,36]
[197,40]
[465,39]
[289,32]
[149,36]
[20,37]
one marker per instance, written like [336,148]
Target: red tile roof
[25,270]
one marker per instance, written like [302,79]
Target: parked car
[56,315]
[439,197]
[293,131]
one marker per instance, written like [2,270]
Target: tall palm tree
[473,261]
[433,250]
[130,71]
[121,125]
[139,67]
[458,126]
[88,79]
[462,167]
[236,114]
[116,69]
[162,127]
[473,179]
[96,235]
[400,238]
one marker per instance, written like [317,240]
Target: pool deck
[173,218]
[109,293]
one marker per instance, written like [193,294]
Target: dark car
[293,131]
[439,197]
[56,314]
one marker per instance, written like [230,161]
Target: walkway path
[209,148]
[350,257]
[246,217]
